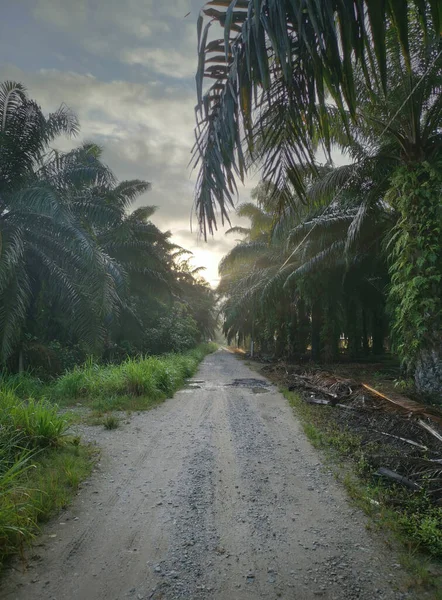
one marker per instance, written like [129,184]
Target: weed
[111,422]
[404,385]
[22,385]
[36,422]
[39,467]
[56,476]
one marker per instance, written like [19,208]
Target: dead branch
[383,472]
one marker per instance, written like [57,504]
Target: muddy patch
[257,386]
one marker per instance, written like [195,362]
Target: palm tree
[194,292]
[396,151]
[41,239]
[296,295]
[275,71]
[136,255]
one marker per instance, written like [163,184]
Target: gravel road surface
[215,494]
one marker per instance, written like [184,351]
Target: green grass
[50,485]
[135,384]
[412,521]
[35,488]
[23,385]
[40,468]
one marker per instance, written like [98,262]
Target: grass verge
[40,468]
[135,384]
[413,523]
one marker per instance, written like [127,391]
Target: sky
[127,69]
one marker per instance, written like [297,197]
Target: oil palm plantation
[79,267]
[296,296]
[41,237]
[290,76]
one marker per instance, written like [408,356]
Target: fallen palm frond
[402,438]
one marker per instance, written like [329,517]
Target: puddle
[258,386]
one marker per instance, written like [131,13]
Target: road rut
[216,494]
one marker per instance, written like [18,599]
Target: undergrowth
[135,384]
[411,517]
[111,422]
[39,468]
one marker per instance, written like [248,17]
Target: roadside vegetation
[134,384]
[40,468]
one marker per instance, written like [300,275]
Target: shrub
[111,422]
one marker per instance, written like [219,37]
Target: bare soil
[216,494]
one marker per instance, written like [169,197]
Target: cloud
[66,16]
[129,75]
[114,30]
[166,62]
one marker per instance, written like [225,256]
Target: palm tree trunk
[353,329]
[428,372]
[316,330]
[416,273]
[304,327]
[365,344]
[330,333]
[293,334]
[378,333]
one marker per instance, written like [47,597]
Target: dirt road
[215,494]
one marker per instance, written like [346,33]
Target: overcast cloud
[127,69]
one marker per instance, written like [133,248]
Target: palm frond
[275,64]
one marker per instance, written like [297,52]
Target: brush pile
[402,438]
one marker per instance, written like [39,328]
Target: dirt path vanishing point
[215,494]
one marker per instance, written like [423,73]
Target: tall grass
[31,434]
[23,385]
[135,383]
